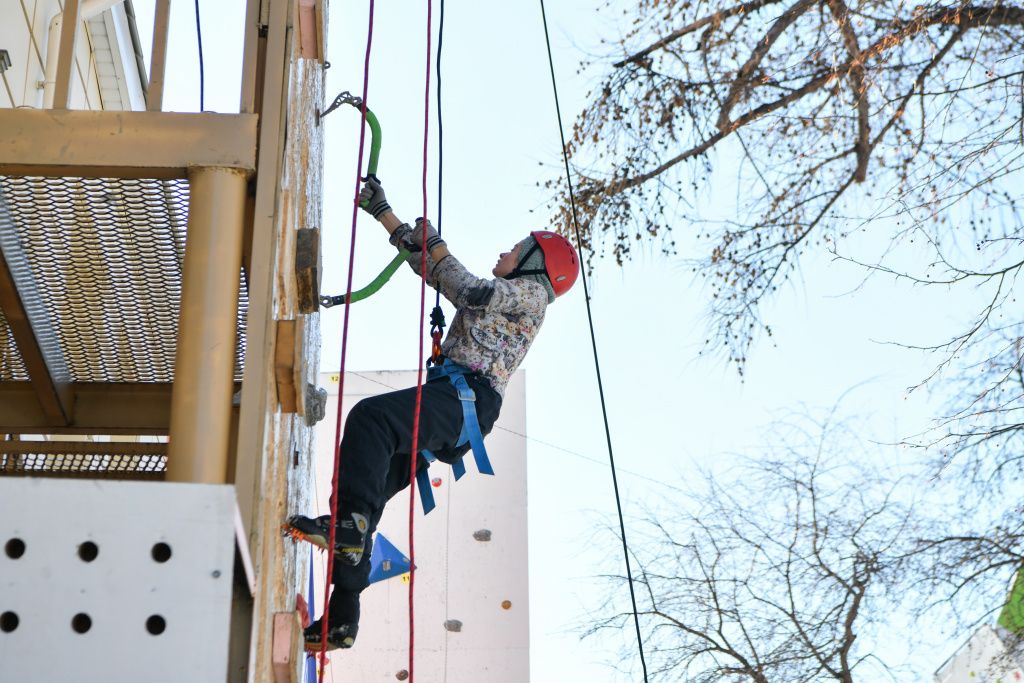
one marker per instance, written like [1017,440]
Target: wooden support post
[205,358]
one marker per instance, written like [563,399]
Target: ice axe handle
[363,203]
[371,166]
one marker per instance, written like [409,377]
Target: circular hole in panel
[156,624]
[14,548]
[81,622]
[161,552]
[88,551]
[8,622]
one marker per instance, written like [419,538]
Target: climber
[495,323]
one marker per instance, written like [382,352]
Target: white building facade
[989,656]
[108,72]
[471,589]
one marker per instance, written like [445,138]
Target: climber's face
[507,262]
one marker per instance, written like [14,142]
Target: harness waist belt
[470,433]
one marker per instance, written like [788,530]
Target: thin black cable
[440,136]
[593,343]
[202,76]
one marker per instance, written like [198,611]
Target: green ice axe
[371,172]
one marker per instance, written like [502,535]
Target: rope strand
[413,458]
[344,353]
[202,75]
[593,343]
[440,133]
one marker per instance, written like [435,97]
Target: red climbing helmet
[560,260]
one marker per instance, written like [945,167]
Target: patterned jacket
[496,322]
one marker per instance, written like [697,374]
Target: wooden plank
[284,365]
[285,655]
[308,34]
[49,397]
[321,31]
[123,144]
[307,270]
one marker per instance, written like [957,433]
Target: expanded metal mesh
[83,460]
[105,256]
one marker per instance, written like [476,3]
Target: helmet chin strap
[518,272]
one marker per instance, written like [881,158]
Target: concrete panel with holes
[100,579]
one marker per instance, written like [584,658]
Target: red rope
[419,372]
[344,352]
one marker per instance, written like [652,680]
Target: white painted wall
[104,76]
[458,577]
[152,596]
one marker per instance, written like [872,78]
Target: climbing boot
[339,636]
[349,537]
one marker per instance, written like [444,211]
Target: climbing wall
[114,580]
[472,617]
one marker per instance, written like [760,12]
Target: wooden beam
[98,408]
[271,97]
[66,58]
[123,144]
[161,22]
[49,397]
[251,70]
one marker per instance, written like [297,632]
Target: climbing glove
[412,238]
[430,236]
[372,199]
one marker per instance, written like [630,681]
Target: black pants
[375,461]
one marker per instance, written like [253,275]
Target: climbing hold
[506,604]
[402,675]
[482,535]
[453,625]
[316,404]
[436,482]
[387,561]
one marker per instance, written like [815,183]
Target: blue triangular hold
[386,561]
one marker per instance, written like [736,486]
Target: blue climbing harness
[470,433]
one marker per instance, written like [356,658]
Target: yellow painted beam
[123,144]
[98,408]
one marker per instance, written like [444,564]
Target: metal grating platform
[99,260]
[89,460]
